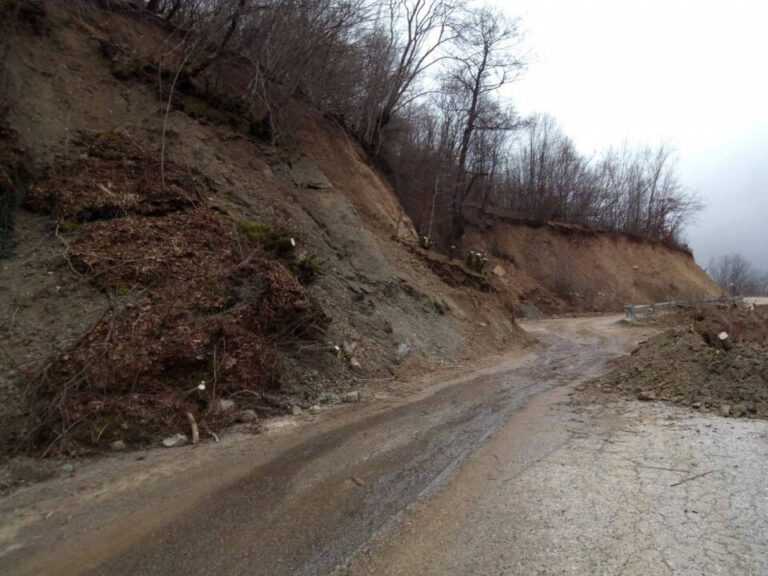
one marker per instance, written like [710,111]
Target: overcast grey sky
[688,73]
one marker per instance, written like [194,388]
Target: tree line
[737,276]
[421,84]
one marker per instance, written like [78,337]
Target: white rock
[403,350]
[118,445]
[723,336]
[175,440]
[225,405]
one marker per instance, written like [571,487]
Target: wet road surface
[494,472]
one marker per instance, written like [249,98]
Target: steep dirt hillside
[168,264]
[562,268]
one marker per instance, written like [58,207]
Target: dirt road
[493,471]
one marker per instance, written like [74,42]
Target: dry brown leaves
[200,306]
[113,178]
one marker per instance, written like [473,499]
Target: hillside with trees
[202,210]
[737,276]
[423,85]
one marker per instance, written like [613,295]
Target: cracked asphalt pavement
[506,469]
[633,489]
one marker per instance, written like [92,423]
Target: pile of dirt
[715,359]
[199,306]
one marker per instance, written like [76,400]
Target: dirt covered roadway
[502,469]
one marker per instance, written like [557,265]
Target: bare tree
[735,275]
[416,32]
[483,62]
[418,82]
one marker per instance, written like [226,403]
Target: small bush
[282,245]
[279,243]
[307,269]
[254,231]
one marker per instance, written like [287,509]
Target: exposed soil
[559,268]
[180,250]
[713,359]
[158,251]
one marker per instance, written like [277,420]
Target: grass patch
[282,244]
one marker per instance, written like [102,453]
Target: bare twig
[59,437]
[67,257]
[165,118]
[689,479]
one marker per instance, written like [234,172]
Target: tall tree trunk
[460,190]
[233,25]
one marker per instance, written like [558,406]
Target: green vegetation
[307,269]
[282,244]
[254,231]
[69,226]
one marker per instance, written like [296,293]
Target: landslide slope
[563,268]
[165,258]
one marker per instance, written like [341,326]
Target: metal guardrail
[647,310]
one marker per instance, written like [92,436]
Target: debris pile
[114,177]
[714,359]
[198,308]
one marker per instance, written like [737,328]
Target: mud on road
[494,471]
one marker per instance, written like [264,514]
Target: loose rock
[247,416]
[349,348]
[329,398]
[225,405]
[740,410]
[403,350]
[175,440]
